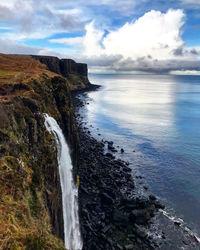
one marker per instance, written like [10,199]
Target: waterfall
[69,191]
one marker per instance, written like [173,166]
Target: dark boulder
[106,199]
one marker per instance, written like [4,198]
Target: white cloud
[74,41]
[154,35]
[152,42]
[11,47]
[124,7]
[192,4]
[36,19]
[66,11]
[185,72]
[91,41]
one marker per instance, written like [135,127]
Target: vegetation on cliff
[30,195]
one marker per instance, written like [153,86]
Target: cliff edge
[76,73]
[30,194]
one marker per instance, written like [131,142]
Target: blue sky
[109,35]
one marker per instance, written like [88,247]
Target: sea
[156,120]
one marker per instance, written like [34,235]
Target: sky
[152,36]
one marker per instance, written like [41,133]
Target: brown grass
[20,68]
[24,219]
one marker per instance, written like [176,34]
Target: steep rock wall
[77,73]
[30,193]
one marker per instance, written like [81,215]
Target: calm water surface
[156,119]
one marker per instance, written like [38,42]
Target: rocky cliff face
[30,193]
[77,73]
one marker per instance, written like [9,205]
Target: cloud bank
[34,19]
[151,43]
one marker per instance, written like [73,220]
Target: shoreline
[138,221]
[112,214]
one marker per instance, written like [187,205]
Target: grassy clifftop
[30,195]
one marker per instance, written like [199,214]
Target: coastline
[112,214]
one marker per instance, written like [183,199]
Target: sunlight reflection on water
[159,118]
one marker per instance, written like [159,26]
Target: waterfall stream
[69,191]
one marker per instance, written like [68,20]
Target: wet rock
[142,202]
[158,205]
[106,199]
[131,236]
[110,143]
[111,148]
[120,218]
[177,223]
[186,243]
[152,197]
[141,216]
[129,247]
[119,247]
[110,155]
[139,231]
[126,169]
[105,229]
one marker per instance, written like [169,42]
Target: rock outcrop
[77,73]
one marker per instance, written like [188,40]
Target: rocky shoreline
[112,214]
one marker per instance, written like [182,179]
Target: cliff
[30,194]
[77,73]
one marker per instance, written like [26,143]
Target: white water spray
[181,224]
[69,191]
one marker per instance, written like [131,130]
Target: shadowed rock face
[66,68]
[51,62]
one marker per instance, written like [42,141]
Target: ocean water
[156,120]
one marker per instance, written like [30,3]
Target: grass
[7,76]
[4,72]
[24,221]
[23,68]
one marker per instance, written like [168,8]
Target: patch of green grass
[34,205]
[7,72]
